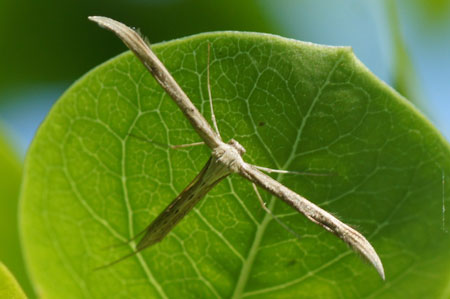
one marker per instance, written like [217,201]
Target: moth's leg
[213,116]
[186,145]
[116,261]
[263,205]
[177,146]
[271,170]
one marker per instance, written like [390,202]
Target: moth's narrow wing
[140,48]
[317,215]
[181,205]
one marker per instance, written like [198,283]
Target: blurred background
[47,45]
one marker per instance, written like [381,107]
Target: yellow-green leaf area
[9,288]
[10,176]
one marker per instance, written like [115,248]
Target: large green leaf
[10,175]
[9,288]
[89,183]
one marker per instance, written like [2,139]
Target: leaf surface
[89,183]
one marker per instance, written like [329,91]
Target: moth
[226,159]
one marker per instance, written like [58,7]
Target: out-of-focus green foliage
[9,288]
[435,9]
[10,175]
[52,40]
[404,75]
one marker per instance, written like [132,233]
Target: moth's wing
[142,51]
[179,207]
[317,215]
[168,219]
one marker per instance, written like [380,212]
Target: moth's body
[224,160]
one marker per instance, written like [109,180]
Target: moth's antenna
[213,116]
[177,146]
[271,170]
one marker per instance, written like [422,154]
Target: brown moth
[226,159]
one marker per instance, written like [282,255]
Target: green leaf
[10,176]
[9,288]
[89,183]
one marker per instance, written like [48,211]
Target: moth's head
[240,149]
